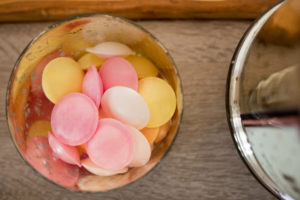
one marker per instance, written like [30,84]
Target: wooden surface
[203,162]
[36,10]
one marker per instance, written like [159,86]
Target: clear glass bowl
[73,35]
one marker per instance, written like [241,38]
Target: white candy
[94,169]
[110,49]
[142,152]
[126,105]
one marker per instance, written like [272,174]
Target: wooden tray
[44,10]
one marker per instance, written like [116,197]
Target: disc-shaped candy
[40,156]
[61,76]
[110,49]
[39,128]
[89,59]
[92,85]
[142,151]
[36,74]
[112,146]
[125,105]
[163,131]
[94,169]
[118,72]
[160,99]
[66,153]
[151,134]
[74,119]
[142,66]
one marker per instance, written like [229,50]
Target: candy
[66,153]
[118,72]
[92,85]
[89,59]
[94,169]
[102,114]
[74,119]
[61,76]
[142,66]
[142,148]
[81,148]
[110,49]
[163,131]
[36,74]
[39,128]
[112,146]
[40,156]
[151,134]
[160,99]
[125,105]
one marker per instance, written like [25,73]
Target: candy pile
[110,109]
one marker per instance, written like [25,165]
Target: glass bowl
[25,105]
[263,99]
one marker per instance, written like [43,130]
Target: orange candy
[163,131]
[151,134]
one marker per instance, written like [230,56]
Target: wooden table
[203,162]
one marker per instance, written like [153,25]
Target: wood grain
[36,10]
[203,162]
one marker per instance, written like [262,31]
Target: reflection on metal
[263,99]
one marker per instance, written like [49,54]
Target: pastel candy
[125,105]
[61,76]
[112,146]
[150,134]
[89,59]
[118,72]
[74,119]
[163,131]
[142,151]
[102,114]
[142,66]
[92,85]
[66,153]
[94,169]
[40,156]
[160,99]
[36,74]
[39,128]
[81,148]
[110,49]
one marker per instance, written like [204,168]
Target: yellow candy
[143,67]
[74,44]
[90,59]
[60,77]
[160,99]
[39,128]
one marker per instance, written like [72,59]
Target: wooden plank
[37,10]
[203,163]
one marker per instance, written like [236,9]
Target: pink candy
[118,72]
[66,153]
[74,119]
[112,147]
[92,85]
